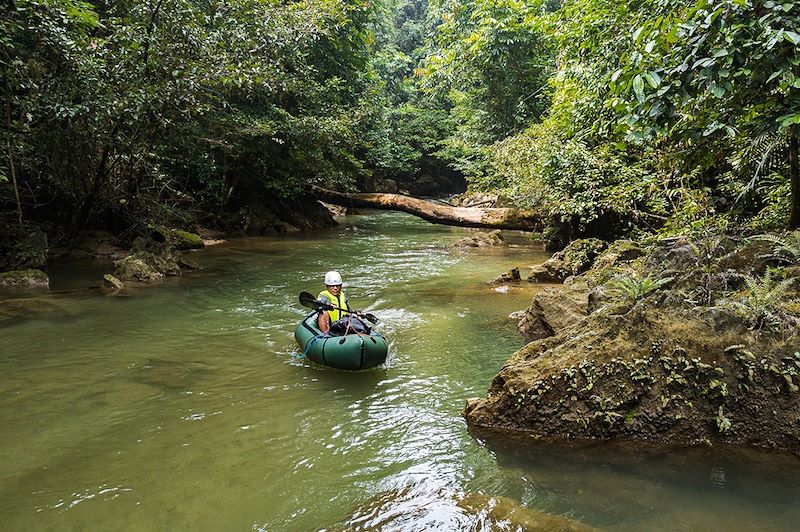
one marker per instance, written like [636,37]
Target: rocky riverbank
[683,340]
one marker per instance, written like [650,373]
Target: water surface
[187,406]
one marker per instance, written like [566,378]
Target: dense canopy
[606,117]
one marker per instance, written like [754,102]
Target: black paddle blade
[308,300]
[372,317]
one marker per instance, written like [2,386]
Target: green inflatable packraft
[353,351]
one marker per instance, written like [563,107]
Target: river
[186,406]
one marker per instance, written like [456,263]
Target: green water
[187,406]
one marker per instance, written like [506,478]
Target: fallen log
[494,218]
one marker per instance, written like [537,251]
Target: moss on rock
[29,278]
[576,258]
[185,240]
[675,358]
[481,240]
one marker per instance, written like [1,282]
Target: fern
[767,153]
[760,305]
[786,248]
[633,289]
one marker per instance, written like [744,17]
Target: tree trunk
[494,218]
[10,154]
[794,177]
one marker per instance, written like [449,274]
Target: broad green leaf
[638,87]
[653,79]
[790,119]
[792,37]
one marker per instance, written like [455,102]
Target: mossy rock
[30,278]
[481,240]
[135,268]
[617,258]
[576,258]
[112,283]
[185,240]
[511,276]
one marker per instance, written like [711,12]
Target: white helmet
[333,279]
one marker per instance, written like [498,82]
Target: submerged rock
[481,240]
[30,278]
[505,513]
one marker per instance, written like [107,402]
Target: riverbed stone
[28,278]
[136,268]
[511,276]
[112,283]
[505,513]
[481,240]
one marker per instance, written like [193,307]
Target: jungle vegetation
[608,116]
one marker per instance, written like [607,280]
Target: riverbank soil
[690,341]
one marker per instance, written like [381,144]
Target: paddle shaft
[308,300]
[370,317]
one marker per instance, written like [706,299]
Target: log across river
[435,212]
[186,405]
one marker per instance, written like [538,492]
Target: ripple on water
[192,405]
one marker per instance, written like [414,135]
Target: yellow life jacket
[340,302]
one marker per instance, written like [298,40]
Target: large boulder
[680,342]
[576,258]
[679,375]
[555,309]
[28,278]
[150,261]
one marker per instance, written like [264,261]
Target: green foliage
[785,248]
[723,423]
[761,303]
[606,116]
[632,289]
[127,111]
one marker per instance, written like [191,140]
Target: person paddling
[332,295]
